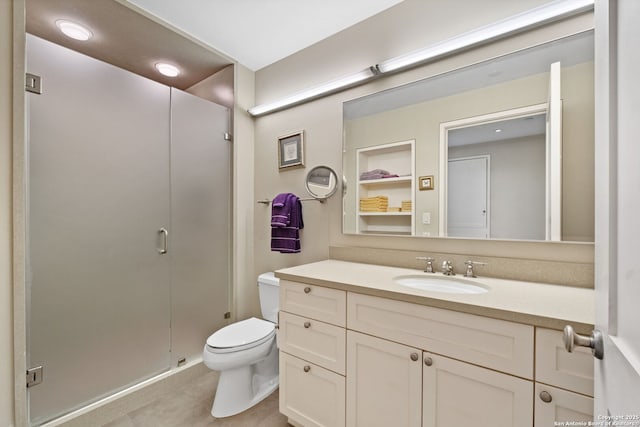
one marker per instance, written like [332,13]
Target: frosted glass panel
[200,222]
[99,306]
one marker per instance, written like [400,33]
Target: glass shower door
[98,197]
[200,222]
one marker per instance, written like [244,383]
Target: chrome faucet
[429,267]
[470,264]
[447,268]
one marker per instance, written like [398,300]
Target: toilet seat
[241,336]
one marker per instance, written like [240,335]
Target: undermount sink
[446,284]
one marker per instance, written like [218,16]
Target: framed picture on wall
[291,150]
[425,182]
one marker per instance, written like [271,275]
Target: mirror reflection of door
[516,190]
[468,199]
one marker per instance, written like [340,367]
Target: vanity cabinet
[310,395]
[384,382]
[360,360]
[394,384]
[396,214]
[312,343]
[495,344]
[564,381]
[391,377]
[460,394]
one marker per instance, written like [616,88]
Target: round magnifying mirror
[321,182]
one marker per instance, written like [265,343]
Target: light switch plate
[426,217]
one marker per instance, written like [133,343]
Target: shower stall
[128,228]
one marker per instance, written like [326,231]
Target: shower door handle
[165,241]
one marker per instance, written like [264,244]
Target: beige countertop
[537,304]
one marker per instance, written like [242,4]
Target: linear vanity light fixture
[315,92]
[541,15]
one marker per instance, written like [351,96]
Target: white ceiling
[508,129]
[257,33]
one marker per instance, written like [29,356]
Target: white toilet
[246,354]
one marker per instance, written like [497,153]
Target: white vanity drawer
[310,395]
[556,366]
[496,344]
[314,302]
[560,406]
[312,340]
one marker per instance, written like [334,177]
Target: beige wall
[319,150]
[245,290]
[6,137]
[216,88]
[407,26]
[353,49]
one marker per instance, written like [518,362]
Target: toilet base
[241,388]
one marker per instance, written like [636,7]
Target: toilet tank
[268,287]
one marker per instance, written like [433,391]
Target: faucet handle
[470,264]
[429,267]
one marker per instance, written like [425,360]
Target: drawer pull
[307,290]
[307,325]
[545,396]
[306,368]
[414,356]
[428,361]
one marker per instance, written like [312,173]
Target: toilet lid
[241,333]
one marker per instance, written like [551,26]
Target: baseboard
[110,408]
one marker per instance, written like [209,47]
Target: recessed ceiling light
[498,130]
[73,30]
[167,69]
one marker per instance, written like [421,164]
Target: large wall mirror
[502,149]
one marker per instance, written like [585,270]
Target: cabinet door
[459,394]
[554,405]
[384,384]
[310,395]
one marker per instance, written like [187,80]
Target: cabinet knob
[307,324]
[545,396]
[306,368]
[307,290]
[428,361]
[414,356]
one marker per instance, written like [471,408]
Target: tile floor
[190,406]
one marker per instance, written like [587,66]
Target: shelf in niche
[383,181]
[396,229]
[385,213]
[398,158]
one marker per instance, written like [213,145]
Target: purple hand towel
[286,222]
[281,210]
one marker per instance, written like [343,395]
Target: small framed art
[425,182]
[291,150]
